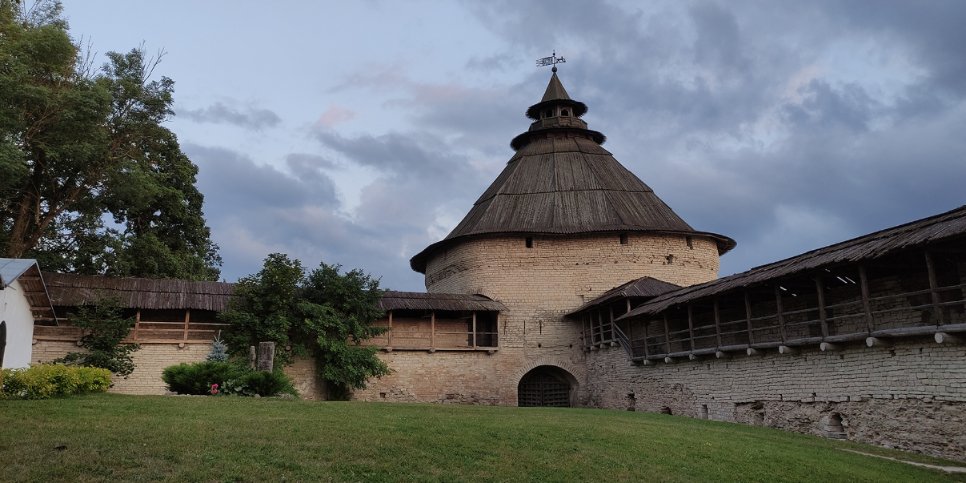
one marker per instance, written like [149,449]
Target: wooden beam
[778,313]
[877,341]
[717,322]
[667,335]
[474,329]
[432,331]
[187,319]
[690,327]
[822,315]
[137,323]
[646,351]
[751,332]
[610,311]
[934,289]
[944,338]
[828,347]
[864,285]
[389,332]
[784,349]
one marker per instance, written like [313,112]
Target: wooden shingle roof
[944,226]
[642,288]
[139,293]
[561,181]
[392,300]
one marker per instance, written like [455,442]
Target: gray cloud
[255,210]
[247,117]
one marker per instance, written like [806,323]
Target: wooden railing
[144,331]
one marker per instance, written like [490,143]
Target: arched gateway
[547,386]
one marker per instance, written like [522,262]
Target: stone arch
[547,385]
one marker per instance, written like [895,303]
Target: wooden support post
[828,347]
[610,311]
[137,323]
[778,313]
[944,338]
[751,332]
[866,307]
[600,326]
[628,306]
[690,327]
[432,331]
[187,320]
[934,289]
[252,357]
[717,322]
[644,323]
[822,315]
[474,329]
[389,332]
[667,335]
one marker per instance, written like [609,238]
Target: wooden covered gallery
[905,281]
[433,322]
[164,311]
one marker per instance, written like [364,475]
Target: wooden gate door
[541,387]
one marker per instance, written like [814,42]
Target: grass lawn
[122,438]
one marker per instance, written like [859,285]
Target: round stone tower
[563,223]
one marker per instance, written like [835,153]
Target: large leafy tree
[90,179]
[325,313]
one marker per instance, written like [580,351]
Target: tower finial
[552,60]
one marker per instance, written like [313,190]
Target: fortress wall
[912,396]
[149,361]
[538,285]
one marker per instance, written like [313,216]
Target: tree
[78,147]
[326,313]
[104,329]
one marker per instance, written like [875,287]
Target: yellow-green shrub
[44,381]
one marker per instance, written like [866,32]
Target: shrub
[197,378]
[260,383]
[231,379]
[44,381]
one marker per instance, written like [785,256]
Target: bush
[231,379]
[260,383]
[197,378]
[44,381]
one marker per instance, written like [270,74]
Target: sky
[360,132]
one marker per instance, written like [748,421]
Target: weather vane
[552,60]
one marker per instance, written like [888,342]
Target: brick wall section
[304,373]
[149,361]
[912,396]
[538,285]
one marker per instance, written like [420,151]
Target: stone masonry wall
[911,396]
[149,361]
[539,285]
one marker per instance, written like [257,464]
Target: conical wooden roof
[562,182]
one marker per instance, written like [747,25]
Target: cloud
[255,210]
[246,117]
[335,115]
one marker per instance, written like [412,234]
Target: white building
[22,300]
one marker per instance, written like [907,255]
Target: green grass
[124,438]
